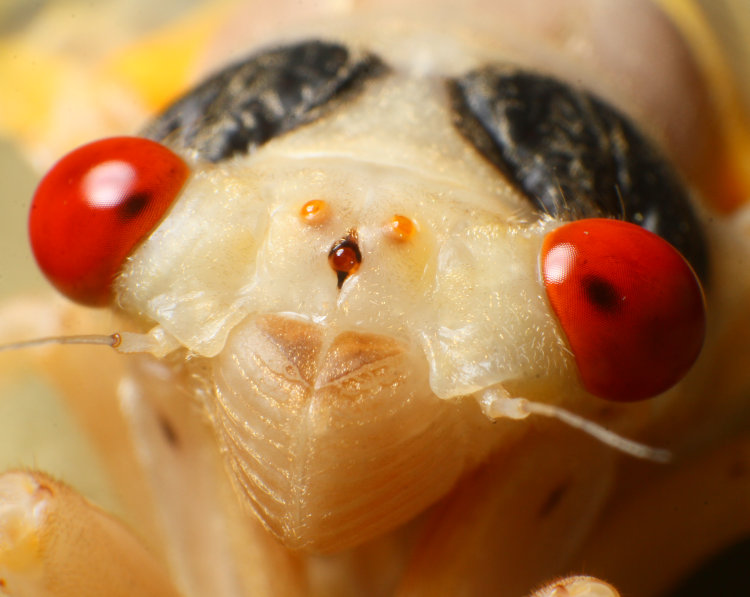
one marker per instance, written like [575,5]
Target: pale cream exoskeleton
[346,301]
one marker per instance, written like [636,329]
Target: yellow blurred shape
[159,66]
[722,82]
[31,78]
[69,77]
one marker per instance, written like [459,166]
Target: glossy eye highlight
[94,206]
[628,302]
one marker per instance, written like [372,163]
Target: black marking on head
[573,155]
[244,106]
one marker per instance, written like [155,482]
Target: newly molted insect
[408,318]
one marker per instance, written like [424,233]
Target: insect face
[440,290]
[347,403]
[390,247]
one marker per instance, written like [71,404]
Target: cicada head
[369,247]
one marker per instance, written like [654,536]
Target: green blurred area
[17,268]
[36,430]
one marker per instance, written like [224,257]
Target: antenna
[112,340]
[498,404]
[156,342]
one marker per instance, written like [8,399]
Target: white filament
[497,404]
[156,342]
[97,339]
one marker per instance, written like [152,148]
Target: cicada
[403,301]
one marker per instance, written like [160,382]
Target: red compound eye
[94,206]
[629,303]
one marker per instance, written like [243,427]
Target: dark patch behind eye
[573,155]
[244,106]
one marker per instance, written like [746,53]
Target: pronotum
[379,281]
